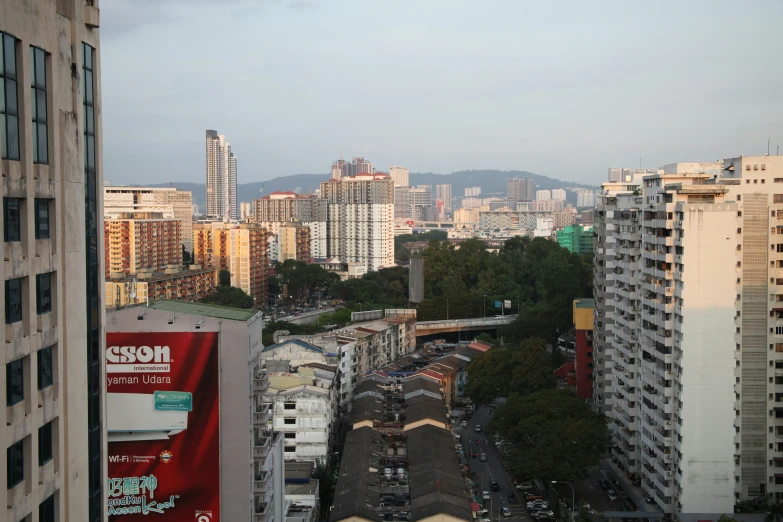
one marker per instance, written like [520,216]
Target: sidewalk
[634,493]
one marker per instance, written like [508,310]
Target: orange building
[136,241]
[293,242]
[240,248]
[182,285]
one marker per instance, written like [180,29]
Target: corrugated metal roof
[206,310]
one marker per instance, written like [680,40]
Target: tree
[229,296]
[551,434]
[583,513]
[502,371]
[327,480]
[726,518]
[187,258]
[224,278]
[774,512]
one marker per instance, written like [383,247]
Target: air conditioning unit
[137,416]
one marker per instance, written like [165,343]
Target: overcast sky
[563,89]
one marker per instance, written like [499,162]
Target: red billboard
[163,425]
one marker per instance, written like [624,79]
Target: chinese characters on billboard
[163,426]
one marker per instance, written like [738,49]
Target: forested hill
[490,181]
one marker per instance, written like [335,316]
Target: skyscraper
[221,168]
[443,193]
[53,440]
[358,165]
[399,176]
[519,190]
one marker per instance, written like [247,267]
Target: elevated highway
[461,325]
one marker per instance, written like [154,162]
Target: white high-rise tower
[221,169]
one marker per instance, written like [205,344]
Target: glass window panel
[90,123]
[3,143]
[9,46]
[46,510]
[44,443]
[14,384]
[40,112]
[2,60]
[12,126]
[11,106]
[2,96]
[40,69]
[15,458]
[88,87]
[35,143]
[12,218]
[32,66]
[43,283]
[90,152]
[13,301]
[45,367]
[87,56]
[43,143]
[33,104]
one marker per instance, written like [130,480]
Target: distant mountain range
[492,183]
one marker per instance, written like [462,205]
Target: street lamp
[573,497]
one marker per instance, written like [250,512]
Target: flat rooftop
[584,303]
[205,310]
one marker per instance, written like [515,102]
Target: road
[306,317]
[490,470]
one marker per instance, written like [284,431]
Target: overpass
[462,325]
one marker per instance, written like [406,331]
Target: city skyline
[592,87]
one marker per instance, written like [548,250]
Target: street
[490,470]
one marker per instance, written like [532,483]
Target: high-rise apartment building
[279,208]
[696,344]
[360,219]
[443,193]
[403,202]
[618,175]
[342,168]
[585,198]
[242,249]
[472,192]
[399,176]
[293,242]
[171,201]
[245,210]
[543,195]
[136,241]
[54,435]
[559,194]
[221,167]
[421,198]
[519,190]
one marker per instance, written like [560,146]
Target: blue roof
[297,342]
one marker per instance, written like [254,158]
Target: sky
[564,88]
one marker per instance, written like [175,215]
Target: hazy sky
[564,89]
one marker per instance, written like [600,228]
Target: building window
[13,301]
[9,106]
[43,293]
[290,449]
[44,443]
[38,102]
[14,382]
[45,367]
[41,219]
[46,510]
[15,462]
[13,219]
[289,405]
[290,435]
[289,421]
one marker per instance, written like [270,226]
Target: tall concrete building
[399,176]
[543,195]
[443,193]
[136,241]
[695,338]
[171,201]
[279,208]
[472,192]
[559,194]
[221,168]
[360,219]
[54,434]
[342,168]
[517,190]
[421,198]
[242,249]
[403,202]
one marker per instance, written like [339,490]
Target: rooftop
[205,310]
[584,303]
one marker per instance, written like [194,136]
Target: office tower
[399,176]
[53,438]
[443,193]
[360,219]
[172,202]
[240,248]
[696,346]
[221,177]
[472,191]
[403,202]
[216,358]
[559,194]
[542,195]
[136,241]
[342,168]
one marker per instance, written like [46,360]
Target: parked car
[544,514]
[482,513]
[537,505]
[524,486]
[494,486]
[506,512]
[478,428]
[533,496]
[611,495]
[512,497]
[463,424]
[485,495]
[483,457]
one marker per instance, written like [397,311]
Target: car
[485,495]
[483,457]
[474,455]
[512,497]
[611,495]
[605,484]
[494,486]
[544,514]
[524,486]
[530,497]
[478,428]
[482,513]
[537,505]
[463,424]
[506,512]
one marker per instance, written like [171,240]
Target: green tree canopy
[224,278]
[229,296]
[552,434]
[304,279]
[505,370]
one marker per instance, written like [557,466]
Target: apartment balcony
[261,446]
[261,483]
[260,385]
[261,415]
[261,511]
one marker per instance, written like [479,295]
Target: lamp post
[573,498]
